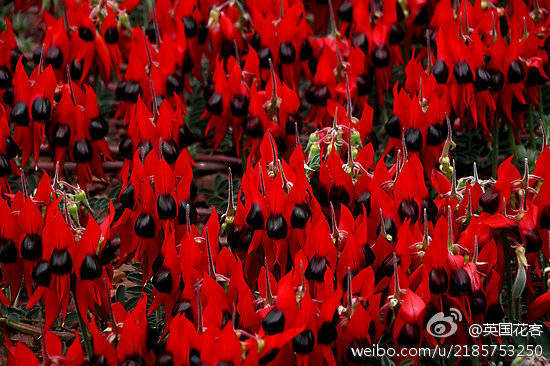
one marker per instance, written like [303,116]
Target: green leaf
[99,205]
[131,303]
[121,294]
[135,277]
[134,290]
[113,194]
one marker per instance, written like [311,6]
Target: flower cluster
[359,237]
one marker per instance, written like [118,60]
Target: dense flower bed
[350,225]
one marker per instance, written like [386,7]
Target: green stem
[29,329]
[495,148]
[507,260]
[532,142]
[512,140]
[85,335]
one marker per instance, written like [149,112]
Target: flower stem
[29,329]
[532,142]
[512,141]
[495,148]
[84,330]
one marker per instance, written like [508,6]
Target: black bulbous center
[61,135]
[482,80]
[381,56]
[274,322]
[82,151]
[360,40]
[5,77]
[338,195]
[183,207]
[389,228]
[8,96]
[174,85]
[240,238]
[397,34]
[214,104]
[437,134]
[345,11]
[364,83]
[183,307]
[131,91]
[303,343]
[144,226]
[516,73]
[409,335]
[144,148]
[490,200]
[316,268]
[90,268]
[306,51]
[544,217]
[264,54]
[438,281]
[165,359]
[127,196]
[85,34]
[98,129]
[269,356]
[463,73]
[460,283]
[76,70]
[408,209]
[497,80]
[170,151]
[255,217]
[61,262]
[5,168]
[11,148]
[31,247]
[413,139]
[287,52]
[8,251]
[393,127]
[111,35]
[20,114]
[107,254]
[431,210]
[162,280]
[253,126]
[41,274]
[239,105]
[368,254]
[300,216]
[190,26]
[327,333]
[362,201]
[478,302]
[54,57]
[440,72]
[133,360]
[533,241]
[186,136]
[276,227]
[166,207]
[98,360]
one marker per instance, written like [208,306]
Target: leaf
[98,205]
[134,290]
[113,194]
[135,277]
[131,303]
[120,294]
